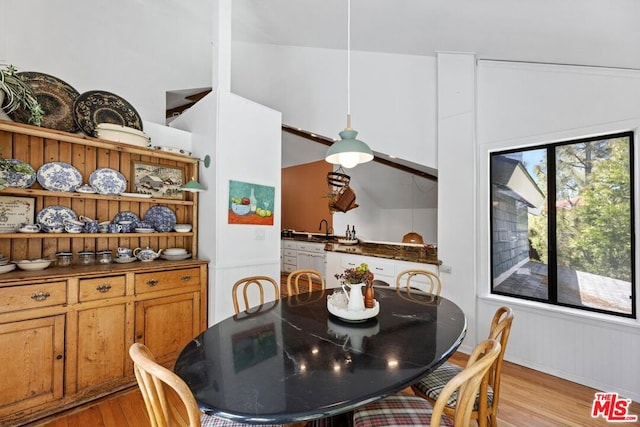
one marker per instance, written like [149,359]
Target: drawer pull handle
[152,282]
[40,296]
[185,278]
[378,268]
[103,288]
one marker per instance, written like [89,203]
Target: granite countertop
[427,254]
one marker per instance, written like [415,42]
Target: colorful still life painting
[251,203]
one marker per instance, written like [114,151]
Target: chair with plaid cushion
[408,410]
[157,383]
[485,408]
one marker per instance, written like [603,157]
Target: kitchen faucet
[326,226]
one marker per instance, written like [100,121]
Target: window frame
[552,294]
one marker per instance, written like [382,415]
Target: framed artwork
[253,346]
[251,203]
[14,211]
[158,180]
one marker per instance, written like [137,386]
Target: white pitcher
[355,296]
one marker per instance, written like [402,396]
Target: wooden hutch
[65,332]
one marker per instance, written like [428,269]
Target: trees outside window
[562,228]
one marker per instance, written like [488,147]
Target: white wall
[456,175]
[120,48]
[526,104]
[240,152]
[393,97]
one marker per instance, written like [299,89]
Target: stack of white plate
[175,254]
[119,133]
[5,267]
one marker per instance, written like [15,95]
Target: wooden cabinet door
[98,348]
[32,361]
[167,324]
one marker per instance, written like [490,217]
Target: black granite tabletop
[293,361]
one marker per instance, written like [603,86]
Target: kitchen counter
[427,254]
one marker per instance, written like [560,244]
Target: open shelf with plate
[38,147]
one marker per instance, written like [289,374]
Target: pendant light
[349,151]
[412,236]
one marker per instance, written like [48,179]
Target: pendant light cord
[348,64]
[413,182]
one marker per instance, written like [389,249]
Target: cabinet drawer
[378,266]
[15,298]
[289,252]
[291,260]
[104,287]
[310,247]
[162,280]
[288,244]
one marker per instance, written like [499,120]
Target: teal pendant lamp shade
[349,151]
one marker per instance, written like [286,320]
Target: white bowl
[7,268]
[119,133]
[182,228]
[33,264]
[174,251]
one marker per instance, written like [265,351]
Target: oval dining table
[291,360]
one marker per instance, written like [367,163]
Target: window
[562,228]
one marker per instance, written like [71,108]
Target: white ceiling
[585,32]
[582,32]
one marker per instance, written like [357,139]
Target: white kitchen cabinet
[311,256]
[289,256]
[333,266]
[382,268]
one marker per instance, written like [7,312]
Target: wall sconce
[194,186]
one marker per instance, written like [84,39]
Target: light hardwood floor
[528,399]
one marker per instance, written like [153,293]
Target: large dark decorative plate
[98,106]
[56,98]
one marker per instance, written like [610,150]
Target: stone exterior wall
[510,233]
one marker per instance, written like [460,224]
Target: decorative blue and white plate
[16,179]
[160,216]
[52,215]
[126,216]
[107,181]
[59,176]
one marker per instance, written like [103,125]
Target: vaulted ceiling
[585,32]
[601,33]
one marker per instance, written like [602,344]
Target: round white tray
[352,315]
[348,241]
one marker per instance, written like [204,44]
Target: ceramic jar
[104,257]
[64,259]
[86,257]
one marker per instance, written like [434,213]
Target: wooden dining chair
[260,282]
[409,410]
[485,408]
[430,281]
[306,278]
[155,382]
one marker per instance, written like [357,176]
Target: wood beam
[387,162]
